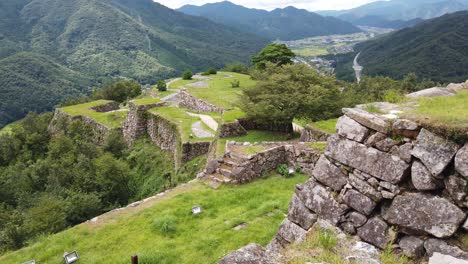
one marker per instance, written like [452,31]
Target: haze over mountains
[396,13]
[289,23]
[61,41]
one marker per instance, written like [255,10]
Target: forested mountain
[395,12]
[285,24]
[435,49]
[100,39]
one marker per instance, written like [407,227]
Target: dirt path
[208,120]
[200,132]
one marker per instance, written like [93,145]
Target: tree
[278,54]
[236,67]
[283,93]
[161,86]
[212,71]
[120,90]
[187,75]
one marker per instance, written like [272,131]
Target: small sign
[71,257]
[196,210]
[291,170]
[30,262]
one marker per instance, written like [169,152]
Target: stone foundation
[193,103]
[310,134]
[111,106]
[233,129]
[136,122]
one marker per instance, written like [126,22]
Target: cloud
[272,4]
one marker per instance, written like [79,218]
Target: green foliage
[212,71]
[389,257]
[187,75]
[236,67]
[119,91]
[283,170]
[278,54]
[393,96]
[235,83]
[165,225]
[283,93]
[162,86]
[327,239]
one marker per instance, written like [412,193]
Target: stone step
[219,178]
[224,172]
[231,162]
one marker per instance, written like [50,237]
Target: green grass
[109,119]
[250,150]
[147,101]
[166,232]
[183,121]
[179,83]
[320,146]
[311,52]
[326,125]
[233,115]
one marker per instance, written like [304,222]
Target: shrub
[283,170]
[165,225]
[237,67]
[326,239]
[393,96]
[162,86]
[212,71]
[187,75]
[119,91]
[235,83]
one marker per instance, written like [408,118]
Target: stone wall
[61,120]
[233,129]
[193,103]
[191,150]
[136,122]
[164,134]
[310,134]
[385,180]
[248,124]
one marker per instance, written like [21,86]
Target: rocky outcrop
[193,103]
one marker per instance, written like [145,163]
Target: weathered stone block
[372,161]
[367,119]
[351,129]
[318,199]
[435,152]
[422,178]
[433,245]
[406,128]
[375,231]
[365,188]
[300,215]
[291,232]
[412,246]
[359,202]
[417,213]
[356,219]
[461,161]
[249,254]
[456,187]
[329,174]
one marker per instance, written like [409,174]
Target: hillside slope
[435,49]
[137,39]
[285,24]
[395,12]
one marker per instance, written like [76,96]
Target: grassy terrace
[147,101]
[447,114]
[184,122]
[109,119]
[217,89]
[325,125]
[165,231]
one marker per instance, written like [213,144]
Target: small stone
[375,232]
[434,152]
[351,129]
[212,166]
[406,128]
[433,245]
[456,188]
[249,254]
[391,187]
[387,195]
[291,232]
[365,188]
[359,202]
[356,219]
[329,174]
[372,140]
[412,246]
[386,144]
[438,258]
[422,178]
[461,161]
[465,225]
[404,152]
[348,228]
[373,182]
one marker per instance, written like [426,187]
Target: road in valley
[357,68]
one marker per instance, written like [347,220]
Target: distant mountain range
[435,49]
[50,49]
[284,24]
[395,13]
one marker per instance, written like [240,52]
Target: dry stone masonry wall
[193,103]
[385,180]
[310,134]
[136,122]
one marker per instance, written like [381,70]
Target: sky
[311,5]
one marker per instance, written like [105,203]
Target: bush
[326,239]
[165,225]
[393,96]
[235,83]
[161,86]
[283,170]
[212,71]
[237,67]
[187,75]
[119,91]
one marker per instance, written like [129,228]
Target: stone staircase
[222,170]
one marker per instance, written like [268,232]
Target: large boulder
[433,245]
[379,164]
[321,201]
[422,178]
[351,129]
[375,231]
[359,202]
[435,152]
[250,254]
[300,215]
[329,174]
[432,92]
[461,161]
[417,213]
[367,119]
